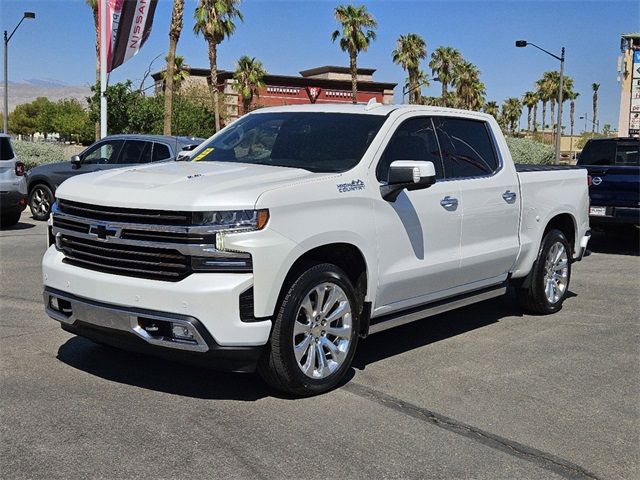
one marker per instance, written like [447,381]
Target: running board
[418,313]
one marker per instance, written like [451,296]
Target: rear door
[8,178]
[134,152]
[489,197]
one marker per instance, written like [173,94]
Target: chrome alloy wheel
[322,331]
[40,201]
[556,272]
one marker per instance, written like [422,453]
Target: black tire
[41,209]
[278,365]
[9,219]
[532,297]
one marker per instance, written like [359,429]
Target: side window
[598,153]
[160,152]
[627,154]
[467,149]
[415,139]
[102,153]
[135,151]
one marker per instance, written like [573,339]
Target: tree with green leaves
[70,120]
[529,100]
[215,20]
[491,108]
[595,87]
[175,29]
[180,74]
[410,51]
[545,91]
[249,79]
[358,31]
[444,61]
[511,112]
[122,102]
[470,91]
[572,96]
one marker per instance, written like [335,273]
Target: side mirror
[409,174]
[76,161]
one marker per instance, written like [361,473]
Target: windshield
[314,141]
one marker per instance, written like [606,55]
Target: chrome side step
[418,313]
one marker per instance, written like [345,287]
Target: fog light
[54,303]
[180,332]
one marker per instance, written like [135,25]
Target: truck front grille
[124,215]
[124,259]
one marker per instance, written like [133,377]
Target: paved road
[484,392]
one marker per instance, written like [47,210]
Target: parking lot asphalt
[481,392]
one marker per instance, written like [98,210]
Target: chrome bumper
[69,309]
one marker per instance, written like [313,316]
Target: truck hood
[182,185]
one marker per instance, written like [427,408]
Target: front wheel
[40,201]
[550,275]
[314,335]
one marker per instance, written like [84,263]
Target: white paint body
[415,250]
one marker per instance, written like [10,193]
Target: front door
[418,234]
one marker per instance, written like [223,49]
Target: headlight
[232,219]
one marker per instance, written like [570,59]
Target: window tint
[318,142]
[467,149]
[103,152]
[160,152]
[598,153]
[6,152]
[135,151]
[413,140]
[627,154]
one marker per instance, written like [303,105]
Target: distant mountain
[28,90]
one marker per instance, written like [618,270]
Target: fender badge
[349,187]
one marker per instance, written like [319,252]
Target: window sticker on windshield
[202,154]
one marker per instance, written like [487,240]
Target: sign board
[634,111]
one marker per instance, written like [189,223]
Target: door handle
[449,203]
[509,196]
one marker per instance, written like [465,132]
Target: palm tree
[595,87]
[470,90]
[572,96]
[249,77]
[410,51]
[511,112]
[174,35]
[357,34]
[215,20]
[543,90]
[93,5]
[491,108]
[530,100]
[443,64]
[552,83]
[535,114]
[180,73]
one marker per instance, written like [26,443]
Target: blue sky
[289,36]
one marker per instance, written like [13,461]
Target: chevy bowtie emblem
[103,232]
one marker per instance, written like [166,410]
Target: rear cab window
[599,152]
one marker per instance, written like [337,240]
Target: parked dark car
[114,151]
[12,184]
[614,180]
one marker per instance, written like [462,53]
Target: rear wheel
[314,335]
[40,201]
[550,275]
[10,219]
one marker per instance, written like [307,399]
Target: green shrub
[525,150]
[33,154]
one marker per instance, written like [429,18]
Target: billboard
[634,111]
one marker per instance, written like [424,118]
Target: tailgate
[614,186]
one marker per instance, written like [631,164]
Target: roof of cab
[370,109]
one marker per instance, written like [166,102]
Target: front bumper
[211,298]
[131,329]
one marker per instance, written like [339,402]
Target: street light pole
[524,43]
[7,37]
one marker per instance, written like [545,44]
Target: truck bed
[524,167]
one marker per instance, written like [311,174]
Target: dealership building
[328,84]
[629,78]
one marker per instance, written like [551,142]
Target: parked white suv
[296,230]
[13,187]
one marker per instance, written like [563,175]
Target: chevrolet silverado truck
[295,231]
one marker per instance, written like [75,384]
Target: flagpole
[103,68]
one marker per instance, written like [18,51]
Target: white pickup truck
[295,231]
